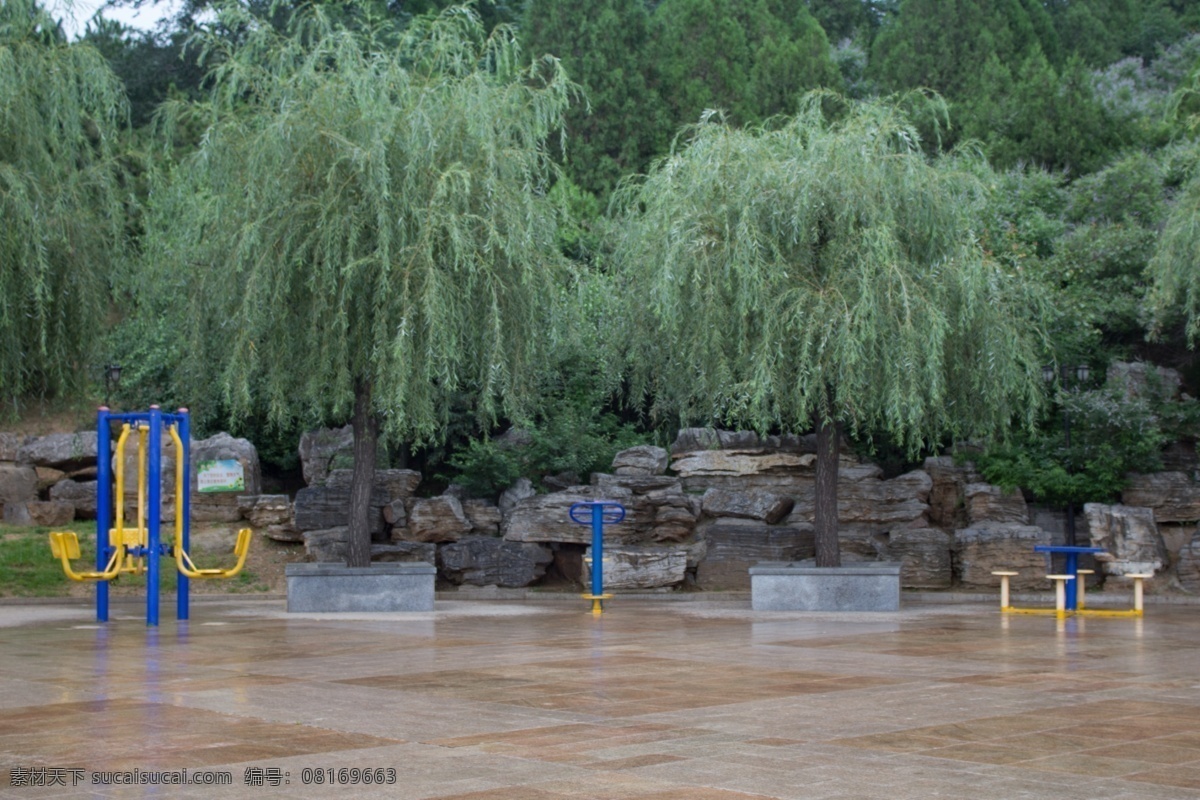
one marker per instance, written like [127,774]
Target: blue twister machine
[597,513]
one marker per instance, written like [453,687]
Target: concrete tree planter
[396,586]
[800,586]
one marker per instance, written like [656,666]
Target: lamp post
[112,378]
[1069,377]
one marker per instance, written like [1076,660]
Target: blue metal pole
[153,513]
[103,507]
[597,548]
[183,505]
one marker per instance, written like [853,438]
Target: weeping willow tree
[61,205]
[823,273]
[364,228]
[1174,269]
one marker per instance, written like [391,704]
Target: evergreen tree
[603,46]
[750,59]
[61,200]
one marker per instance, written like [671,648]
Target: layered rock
[1130,536]
[488,561]
[925,557]
[735,545]
[759,505]
[625,567]
[1171,496]
[484,516]
[988,504]
[641,460]
[545,518]
[947,501]
[324,450]
[435,519]
[980,551]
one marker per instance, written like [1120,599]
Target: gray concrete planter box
[784,586]
[394,586]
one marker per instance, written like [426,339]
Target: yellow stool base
[597,602]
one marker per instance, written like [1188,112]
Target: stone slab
[391,586]
[790,586]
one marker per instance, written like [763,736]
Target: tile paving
[657,700]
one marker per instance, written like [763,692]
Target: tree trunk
[825,516]
[366,438]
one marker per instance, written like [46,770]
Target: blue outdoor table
[1072,566]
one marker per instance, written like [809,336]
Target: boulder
[484,516]
[988,504]
[324,449]
[425,552]
[924,555]
[980,551]
[80,494]
[18,484]
[675,522]
[948,481]
[560,481]
[65,451]
[1140,379]
[735,545]
[329,544]
[395,513]
[265,510]
[769,508]
[10,446]
[641,460]
[394,484]
[47,477]
[223,506]
[519,491]
[488,561]
[626,567]
[1172,496]
[50,513]
[284,532]
[320,507]
[1130,536]
[437,519]
[544,518]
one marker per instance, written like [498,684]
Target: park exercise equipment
[597,513]
[136,549]
[1066,602]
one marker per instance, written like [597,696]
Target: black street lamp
[112,378]
[1070,377]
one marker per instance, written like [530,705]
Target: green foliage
[823,267]
[1111,436]
[604,47]
[569,439]
[751,59]
[61,201]
[365,214]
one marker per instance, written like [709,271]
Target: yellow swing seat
[188,567]
[64,545]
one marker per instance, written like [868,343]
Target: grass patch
[27,568]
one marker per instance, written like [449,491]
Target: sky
[75,19]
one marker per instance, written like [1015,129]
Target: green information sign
[220,476]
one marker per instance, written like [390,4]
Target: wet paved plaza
[696,700]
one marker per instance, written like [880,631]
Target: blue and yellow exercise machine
[136,549]
[597,513]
